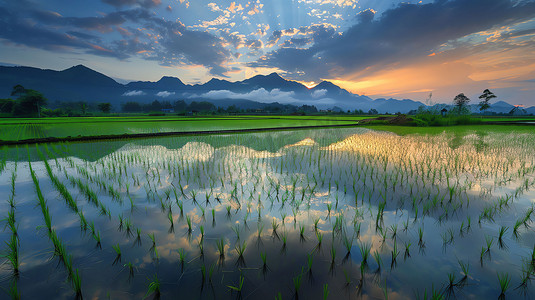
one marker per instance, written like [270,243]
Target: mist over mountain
[80,83]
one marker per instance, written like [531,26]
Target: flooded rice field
[313,214]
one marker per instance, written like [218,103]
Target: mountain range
[80,83]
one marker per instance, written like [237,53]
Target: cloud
[398,36]
[341,3]
[263,96]
[314,32]
[233,38]
[134,93]
[259,95]
[233,8]
[165,94]
[219,21]
[185,2]
[319,93]
[170,43]
[255,44]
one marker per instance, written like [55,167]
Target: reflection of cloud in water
[239,151]
[305,142]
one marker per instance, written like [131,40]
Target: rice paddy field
[20,129]
[336,213]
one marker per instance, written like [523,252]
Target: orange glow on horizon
[309,84]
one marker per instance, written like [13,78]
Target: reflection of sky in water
[240,191]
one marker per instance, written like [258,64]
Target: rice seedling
[117,249]
[488,241]
[189,222]
[518,223]
[365,252]
[348,243]
[153,287]
[504,280]
[260,228]
[319,236]
[465,267]
[297,281]
[385,291]
[12,255]
[378,259]
[407,249]
[274,226]
[263,256]
[96,236]
[181,256]
[13,290]
[130,267]
[76,283]
[240,249]
[180,205]
[394,229]
[325,291]
[152,238]
[170,218]
[221,247]
[237,288]
[451,280]
[501,232]
[333,253]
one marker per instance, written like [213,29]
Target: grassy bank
[11,130]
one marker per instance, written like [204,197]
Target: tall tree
[104,107]
[485,100]
[461,101]
[29,101]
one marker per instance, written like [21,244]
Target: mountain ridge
[80,83]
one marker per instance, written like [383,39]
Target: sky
[421,50]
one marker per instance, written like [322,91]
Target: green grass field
[15,129]
[20,129]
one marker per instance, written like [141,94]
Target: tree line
[32,103]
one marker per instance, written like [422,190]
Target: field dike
[160,134]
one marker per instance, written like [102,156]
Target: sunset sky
[379,48]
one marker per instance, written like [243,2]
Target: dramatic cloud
[370,47]
[403,33]
[170,43]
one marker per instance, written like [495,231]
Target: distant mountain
[77,83]
[331,89]
[272,81]
[215,84]
[166,83]
[80,83]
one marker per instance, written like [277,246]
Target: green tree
[485,99]
[29,101]
[104,107]
[6,105]
[83,108]
[132,107]
[460,101]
